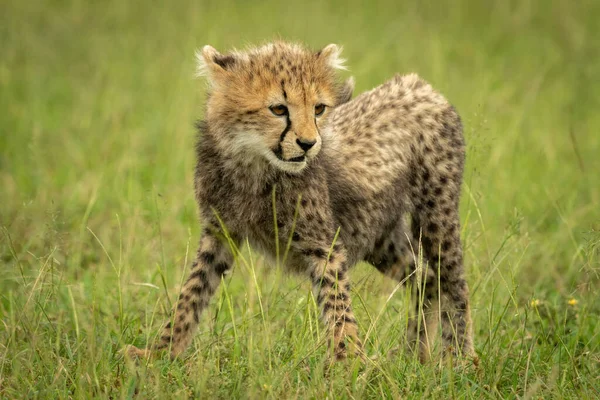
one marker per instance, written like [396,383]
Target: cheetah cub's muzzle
[300,141]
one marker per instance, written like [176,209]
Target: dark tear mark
[288,125]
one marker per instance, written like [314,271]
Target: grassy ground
[98,219]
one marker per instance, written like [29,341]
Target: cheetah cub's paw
[349,349]
[136,353]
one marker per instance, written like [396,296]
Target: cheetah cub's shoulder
[384,170]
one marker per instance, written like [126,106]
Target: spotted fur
[385,169]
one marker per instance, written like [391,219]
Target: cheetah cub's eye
[319,109]
[280,110]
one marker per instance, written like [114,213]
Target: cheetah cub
[384,170]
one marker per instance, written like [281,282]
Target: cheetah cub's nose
[305,145]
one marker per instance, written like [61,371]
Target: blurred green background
[97,105]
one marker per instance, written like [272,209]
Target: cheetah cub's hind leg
[213,260]
[436,226]
[396,256]
[444,285]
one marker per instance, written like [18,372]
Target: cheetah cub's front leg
[213,260]
[332,289]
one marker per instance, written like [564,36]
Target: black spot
[446,244]
[426,175]
[451,266]
[446,130]
[326,281]
[318,252]
[207,258]
[432,227]
[197,289]
[177,329]
[342,345]
[221,268]
[430,204]
[168,325]
[295,236]
[437,191]
[304,202]
[166,339]
[186,327]
[199,275]
[327,307]
[338,297]
[412,180]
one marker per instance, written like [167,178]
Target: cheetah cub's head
[270,104]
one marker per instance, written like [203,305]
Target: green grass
[98,221]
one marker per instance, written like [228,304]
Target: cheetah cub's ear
[213,64]
[331,55]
